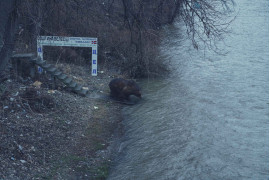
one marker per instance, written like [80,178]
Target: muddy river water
[209,119]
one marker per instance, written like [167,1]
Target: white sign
[72,42]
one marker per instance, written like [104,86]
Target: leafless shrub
[207,21]
[127,31]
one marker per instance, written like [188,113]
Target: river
[209,120]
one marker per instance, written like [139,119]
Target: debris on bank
[48,133]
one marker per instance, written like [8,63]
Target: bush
[127,31]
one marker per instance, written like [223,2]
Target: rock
[23,161]
[51,91]
[16,94]
[33,148]
[37,84]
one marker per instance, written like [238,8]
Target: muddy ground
[49,132]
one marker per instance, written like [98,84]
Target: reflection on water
[210,119]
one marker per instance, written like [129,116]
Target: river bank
[55,134]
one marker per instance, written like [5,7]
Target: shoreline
[55,134]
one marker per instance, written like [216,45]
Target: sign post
[69,41]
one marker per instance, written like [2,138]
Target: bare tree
[128,29]
[9,25]
[206,20]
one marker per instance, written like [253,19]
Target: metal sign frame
[71,42]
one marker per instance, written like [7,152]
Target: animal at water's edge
[122,89]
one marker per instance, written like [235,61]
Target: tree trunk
[8,9]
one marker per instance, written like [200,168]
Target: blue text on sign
[40,70]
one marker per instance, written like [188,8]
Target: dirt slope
[50,133]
